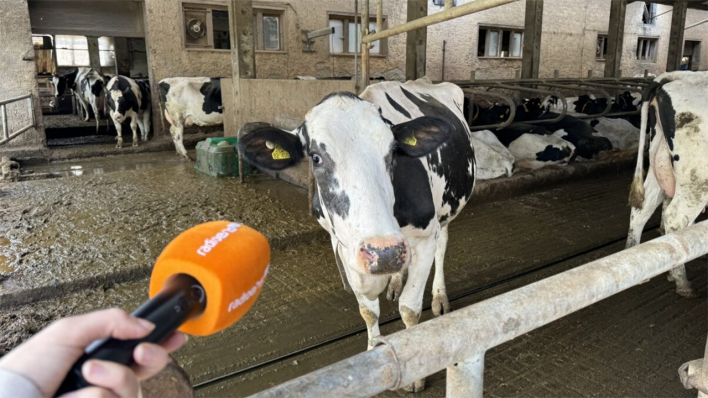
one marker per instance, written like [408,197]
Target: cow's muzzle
[383,255]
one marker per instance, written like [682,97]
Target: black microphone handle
[179,302]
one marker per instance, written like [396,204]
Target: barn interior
[82,222]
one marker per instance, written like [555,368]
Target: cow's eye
[316,159]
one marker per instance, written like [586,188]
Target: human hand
[47,357]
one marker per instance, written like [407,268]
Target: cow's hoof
[441,305]
[135,143]
[688,293]
[418,386]
[395,287]
[119,146]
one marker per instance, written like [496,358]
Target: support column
[94,56]
[416,41]
[678,25]
[466,379]
[123,56]
[532,39]
[613,60]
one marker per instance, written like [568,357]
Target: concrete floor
[83,242]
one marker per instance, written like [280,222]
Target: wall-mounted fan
[196,28]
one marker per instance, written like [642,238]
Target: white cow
[676,110]
[190,101]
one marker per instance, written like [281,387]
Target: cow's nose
[383,255]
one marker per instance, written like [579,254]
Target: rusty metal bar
[466,334]
[452,13]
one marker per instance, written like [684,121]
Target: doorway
[691,55]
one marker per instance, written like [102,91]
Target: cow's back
[440,184]
[192,100]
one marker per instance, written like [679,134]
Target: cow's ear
[421,136]
[268,147]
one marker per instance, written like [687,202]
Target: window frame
[207,7]
[603,51]
[57,50]
[500,30]
[649,11]
[258,12]
[346,18]
[641,40]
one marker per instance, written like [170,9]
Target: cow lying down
[390,176]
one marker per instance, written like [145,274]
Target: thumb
[82,330]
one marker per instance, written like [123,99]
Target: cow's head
[353,151]
[62,83]
[117,103]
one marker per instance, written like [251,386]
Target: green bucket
[218,157]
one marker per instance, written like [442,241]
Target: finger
[117,378]
[174,342]
[90,392]
[150,359]
[81,330]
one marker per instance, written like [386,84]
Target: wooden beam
[416,41]
[613,60]
[532,39]
[678,25]
[94,56]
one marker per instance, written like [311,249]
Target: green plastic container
[218,157]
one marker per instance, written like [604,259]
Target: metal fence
[7,135]
[458,341]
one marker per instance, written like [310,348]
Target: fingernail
[145,353]
[147,325]
[94,369]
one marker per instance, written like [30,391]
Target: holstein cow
[92,91]
[588,142]
[129,99]
[534,147]
[674,109]
[386,191]
[493,158]
[620,130]
[72,81]
[190,101]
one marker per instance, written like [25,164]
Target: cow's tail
[636,193]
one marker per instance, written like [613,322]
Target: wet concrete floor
[88,241]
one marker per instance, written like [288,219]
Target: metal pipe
[412,354]
[5,133]
[15,99]
[379,15]
[30,101]
[604,93]
[695,24]
[466,379]
[512,109]
[443,60]
[452,13]
[561,97]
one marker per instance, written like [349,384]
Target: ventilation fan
[196,28]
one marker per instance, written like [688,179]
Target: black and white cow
[622,131]
[588,142]
[92,90]
[534,147]
[64,82]
[129,99]
[391,175]
[675,108]
[190,101]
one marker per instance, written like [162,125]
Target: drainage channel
[456,298]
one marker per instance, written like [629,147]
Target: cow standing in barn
[92,90]
[675,110]
[190,101]
[386,190]
[86,86]
[129,99]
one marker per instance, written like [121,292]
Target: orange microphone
[204,281]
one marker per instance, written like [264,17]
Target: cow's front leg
[369,310]
[441,305]
[411,303]
[134,127]
[177,137]
[119,133]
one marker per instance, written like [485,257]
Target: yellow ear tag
[412,141]
[501,117]
[279,153]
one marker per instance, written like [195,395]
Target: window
[649,13]
[601,51]
[107,51]
[500,43]
[268,24]
[72,50]
[346,35]
[646,49]
[206,27]
[441,3]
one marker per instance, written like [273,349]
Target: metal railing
[458,341]
[7,135]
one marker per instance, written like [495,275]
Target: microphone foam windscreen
[229,260]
